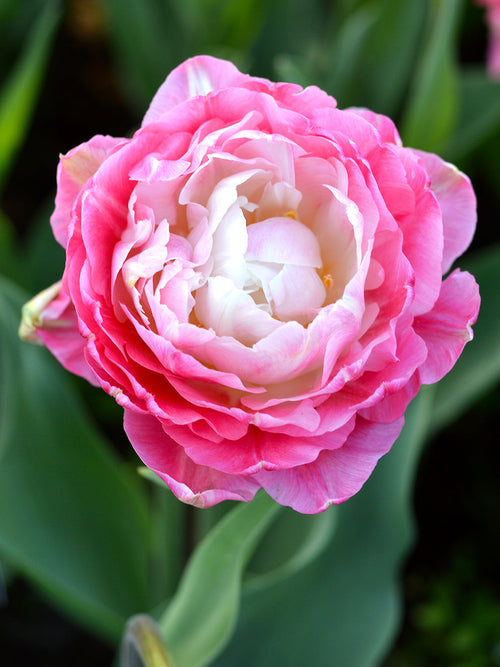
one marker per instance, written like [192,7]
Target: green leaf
[10,257]
[479,117]
[44,256]
[345,608]
[431,114]
[147,41]
[478,369]
[294,542]
[389,56]
[71,518]
[379,30]
[20,92]
[201,616]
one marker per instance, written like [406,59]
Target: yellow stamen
[327,280]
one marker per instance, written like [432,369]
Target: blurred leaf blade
[295,541]
[20,92]
[10,257]
[432,110]
[351,596]
[202,614]
[479,113]
[71,519]
[143,68]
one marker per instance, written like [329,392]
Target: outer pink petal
[193,484]
[197,76]
[336,475]
[447,327]
[74,170]
[258,449]
[457,201]
[383,124]
[50,317]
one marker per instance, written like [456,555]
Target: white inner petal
[231,312]
[283,240]
[243,252]
[297,293]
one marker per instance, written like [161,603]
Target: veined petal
[74,170]
[193,484]
[335,475]
[197,76]
[448,326]
[457,201]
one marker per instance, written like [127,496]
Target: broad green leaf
[345,608]
[431,113]
[19,94]
[71,518]
[294,542]
[199,620]
[478,369]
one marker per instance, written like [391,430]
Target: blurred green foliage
[102,543]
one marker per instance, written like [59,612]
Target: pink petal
[383,124]
[193,484]
[457,202]
[74,170]
[422,235]
[283,240]
[50,317]
[257,449]
[447,327]
[336,475]
[197,76]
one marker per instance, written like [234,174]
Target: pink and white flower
[256,277]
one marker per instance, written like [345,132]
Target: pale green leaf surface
[345,608]
[71,519]
[200,618]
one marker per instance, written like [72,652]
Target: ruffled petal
[50,318]
[335,475]
[197,76]
[447,327]
[457,201]
[74,170]
[192,483]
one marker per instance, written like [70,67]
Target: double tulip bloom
[256,277]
